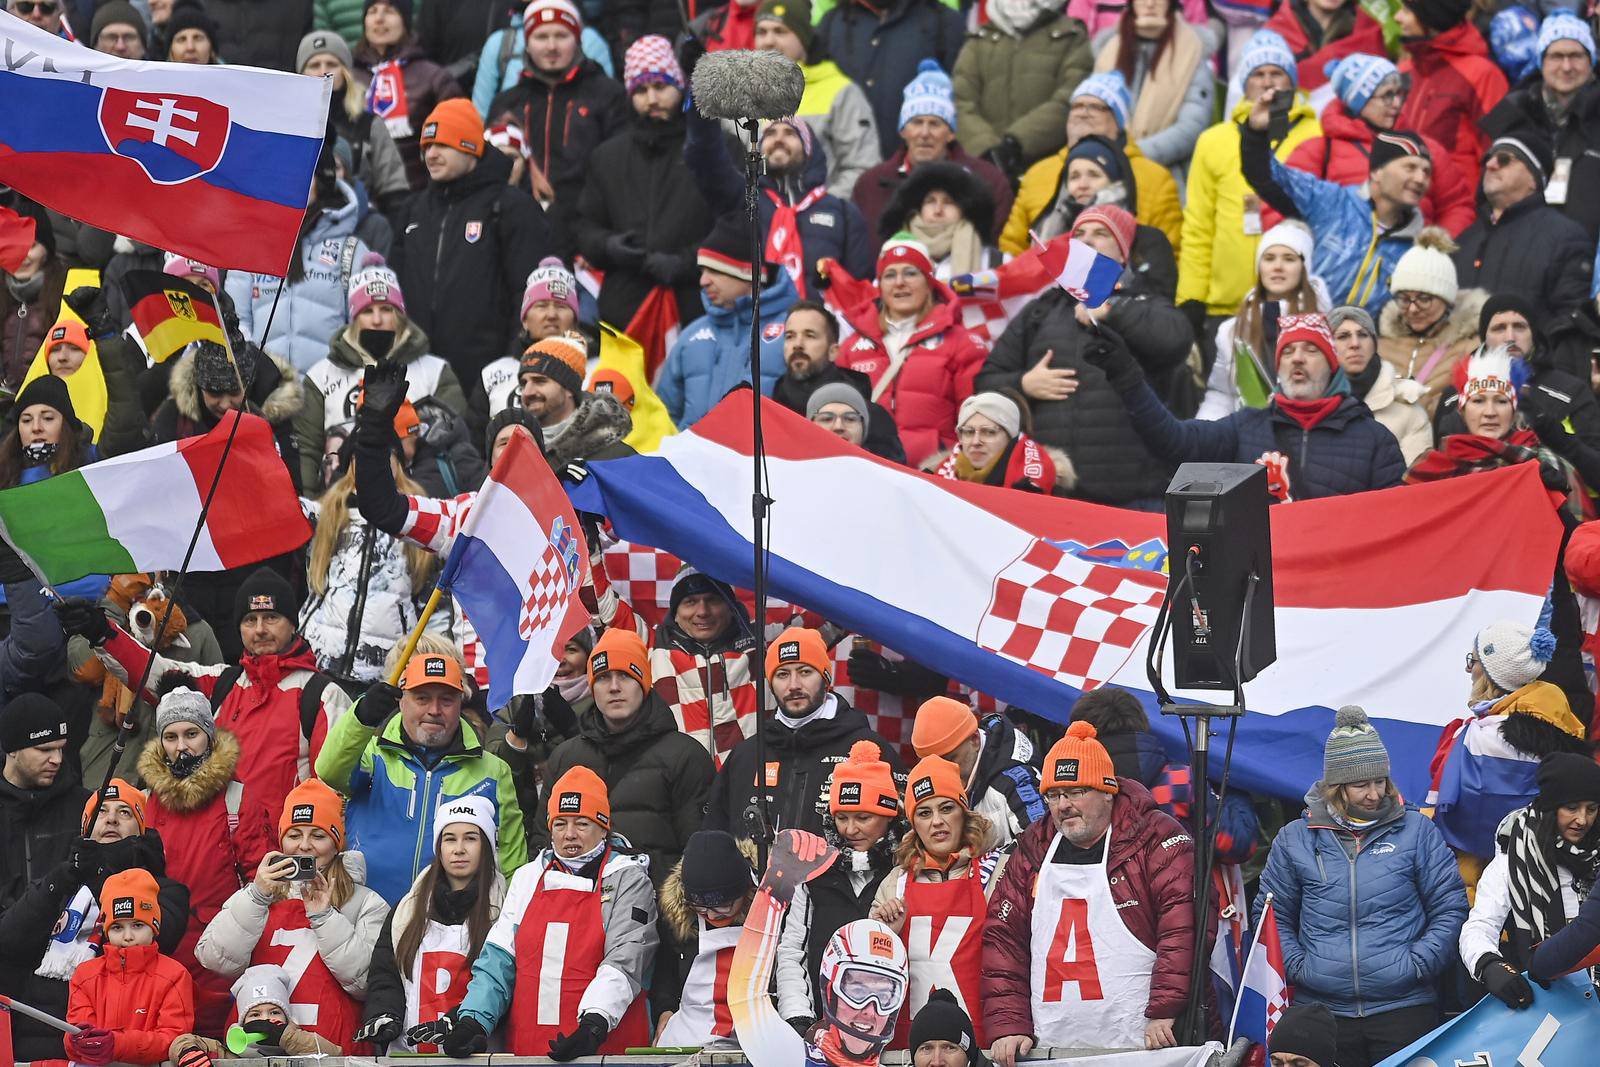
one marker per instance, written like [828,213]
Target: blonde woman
[376,159]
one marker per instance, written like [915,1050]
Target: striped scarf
[1533,852]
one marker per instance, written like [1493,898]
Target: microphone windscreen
[742,84]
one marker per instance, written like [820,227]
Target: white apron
[438,979]
[703,1016]
[1090,977]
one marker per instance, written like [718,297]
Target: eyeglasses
[1472,661]
[1391,96]
[716,911]
[1075,794]
[844,418]
[1575,56]
[1502,159]
[980,433]
[28,7]
[1414,300]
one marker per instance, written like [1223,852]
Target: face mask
[186,764]
[377,343]
[39,452]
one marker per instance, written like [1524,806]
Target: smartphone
[1278,115]
[305,868]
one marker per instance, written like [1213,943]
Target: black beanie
[402,6]
[1440,15]
[1566,778]
[515,415]
[49,390]
[188,15]
[1307,1030]
[214,372]
[265,590]
[31,720]
[1529,145]
[691,582]
[941,1019]
[1390,145]
[715,872]
[1506,302]
[1103,154]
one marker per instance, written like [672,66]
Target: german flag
[170,313]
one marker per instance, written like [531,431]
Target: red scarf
[1308,412]
[265,672]
[783,236]
[386,97]
[1464,453]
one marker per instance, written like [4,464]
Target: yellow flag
[651,423]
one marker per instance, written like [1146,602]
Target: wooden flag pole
[416,635]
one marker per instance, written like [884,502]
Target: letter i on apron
[1089,976]
[943,933]
[560,944]
[703,1015]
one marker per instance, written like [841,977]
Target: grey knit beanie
[839,393]
[185,705]
[1355,752]
[1361,315]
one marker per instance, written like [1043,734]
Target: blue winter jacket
[712,354]
[314,308]
[1347,452]
[492,79]
[1367,933]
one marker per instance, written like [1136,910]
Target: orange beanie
[620,650]
[1079,761]
[610,380]
[580,792]
[864,783]
[935,776]
[313,803]
[455,124]
[799,645]
[941,725]
[121,791]
[131,895]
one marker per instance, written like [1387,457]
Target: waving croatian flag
[516,569]
[1264,994]
[212,162]
[1083,272]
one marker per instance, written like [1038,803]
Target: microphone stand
[760,502]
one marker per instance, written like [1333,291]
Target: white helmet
[864,963]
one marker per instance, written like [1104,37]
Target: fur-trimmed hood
[197,790]
[970,192]
[600,422]
[1461,324]
[276,393]
[675,910]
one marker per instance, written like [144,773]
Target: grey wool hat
[1354,752]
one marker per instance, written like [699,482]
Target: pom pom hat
[864,783]
[1079,761]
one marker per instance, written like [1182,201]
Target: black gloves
[88,302]
[383,391]
[1544,415]
[377,704]
[583,1041]
[458,1035]
[12,569]
[1104,349]
[1007,156]
[625,250]
[1505,984]
[870,669]
[663,267]
[802,1026]
[86,864]
[83,618]
[1195,312]
[379,1030]
[271,1032]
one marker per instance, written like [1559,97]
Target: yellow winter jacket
[1217,261]
[824,81]
[1158,198]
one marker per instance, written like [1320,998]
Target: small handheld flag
[171,313]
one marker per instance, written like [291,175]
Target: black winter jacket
[1534,251]
[26,926]
[260,33]
[638,184]
[1092,425]
[880,52]
[805,759]
[453,33]
[463,251]
[883,436]
[37,828]
[1576,138]
[656,777]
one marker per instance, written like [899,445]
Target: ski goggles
[859,986]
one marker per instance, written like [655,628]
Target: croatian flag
[516,569]
[1032,599]
[1085,273]
[1264,993]
[211,162]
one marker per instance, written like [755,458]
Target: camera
[305,868]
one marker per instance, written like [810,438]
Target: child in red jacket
[131,1001]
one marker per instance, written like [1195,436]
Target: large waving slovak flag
[516,569]
[212,162]
[1033,599]
[1264,993]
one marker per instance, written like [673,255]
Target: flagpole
[1244,969]
[416,634]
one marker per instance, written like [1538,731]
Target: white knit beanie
[1426,267]
[995,406]
[1291,234]
[469,809]
[1513,654]
[265,983]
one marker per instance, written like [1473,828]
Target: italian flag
[137,512]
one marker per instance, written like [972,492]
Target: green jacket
[343,17]
[1022,87]
[393,795]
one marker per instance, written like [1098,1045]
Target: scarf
[573,689]
[896,335]
[1308,413]
[1016,17]
[386,97]
[784,244]
[963,469]
[1533,851]
[958,242]
[73,941]
[26,291]
[39,452]
[1464,453]
[1159,94]
[1361,384]
[265,672]
[576,864]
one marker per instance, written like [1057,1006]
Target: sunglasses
[28,7]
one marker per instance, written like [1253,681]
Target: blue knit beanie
[1356,77]
[1110,88]
[929,93]
[1267,48]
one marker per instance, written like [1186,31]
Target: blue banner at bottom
[1562,1027]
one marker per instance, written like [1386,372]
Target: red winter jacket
[1151,869]
[942,360]
[1342,155]
[1365,37]
[1454,83]
[144,998]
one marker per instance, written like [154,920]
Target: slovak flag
[211,162]
[516,570]
[1081,271]
[1264,993]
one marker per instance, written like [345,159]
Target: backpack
[310,699]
